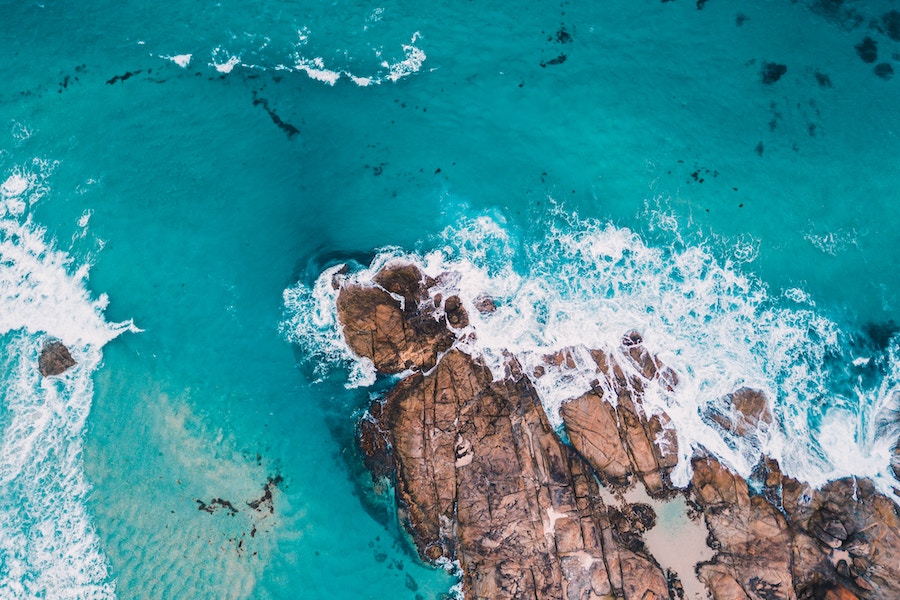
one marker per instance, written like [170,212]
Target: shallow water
[198,194]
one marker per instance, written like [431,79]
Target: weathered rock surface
[753,539]
[623,440]
[750,411]
[392,322]
[55,359]
[839,542]
[481,477]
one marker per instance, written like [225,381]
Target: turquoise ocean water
[169,170]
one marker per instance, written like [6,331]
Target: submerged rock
[55,359]
[744,412]
[884,70]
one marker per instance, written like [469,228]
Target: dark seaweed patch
[823,79]
[880,334]
[772,72]
[377,169]
[125,77]
[891,23]
[563,36]
[286,127]
[867,50]
[740,19]
[554,61]
[884,70]
[215,504]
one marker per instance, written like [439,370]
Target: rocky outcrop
[792,541]
[751,535]
[745,411]
[391,322]
[610,427]
[55,359]
[481,477]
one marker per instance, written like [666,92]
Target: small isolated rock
[456,315]
[485,304]
[55,359]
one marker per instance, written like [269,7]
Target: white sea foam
[85,218]
[315,69]
[586,284]
[20,132]
[15,185]
[413,61]
[48,547]
[182,60]
[223,62]
[831,242]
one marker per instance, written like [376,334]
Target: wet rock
[847,520]
[403,279]
[624,440]
[457,316]
[772,72]
[485,304]
[55,359]
[754,557]
[522,513]
[867,50]
[481,477]
[743,412]
[819,542]
[392,323]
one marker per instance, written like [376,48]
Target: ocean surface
[722,176]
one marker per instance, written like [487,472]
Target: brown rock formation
[750,410]
[481,477]
[622,440]
[839,542]
[55,359]
[754,542]
[394,334]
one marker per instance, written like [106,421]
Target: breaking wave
[48,546]
[583,284]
